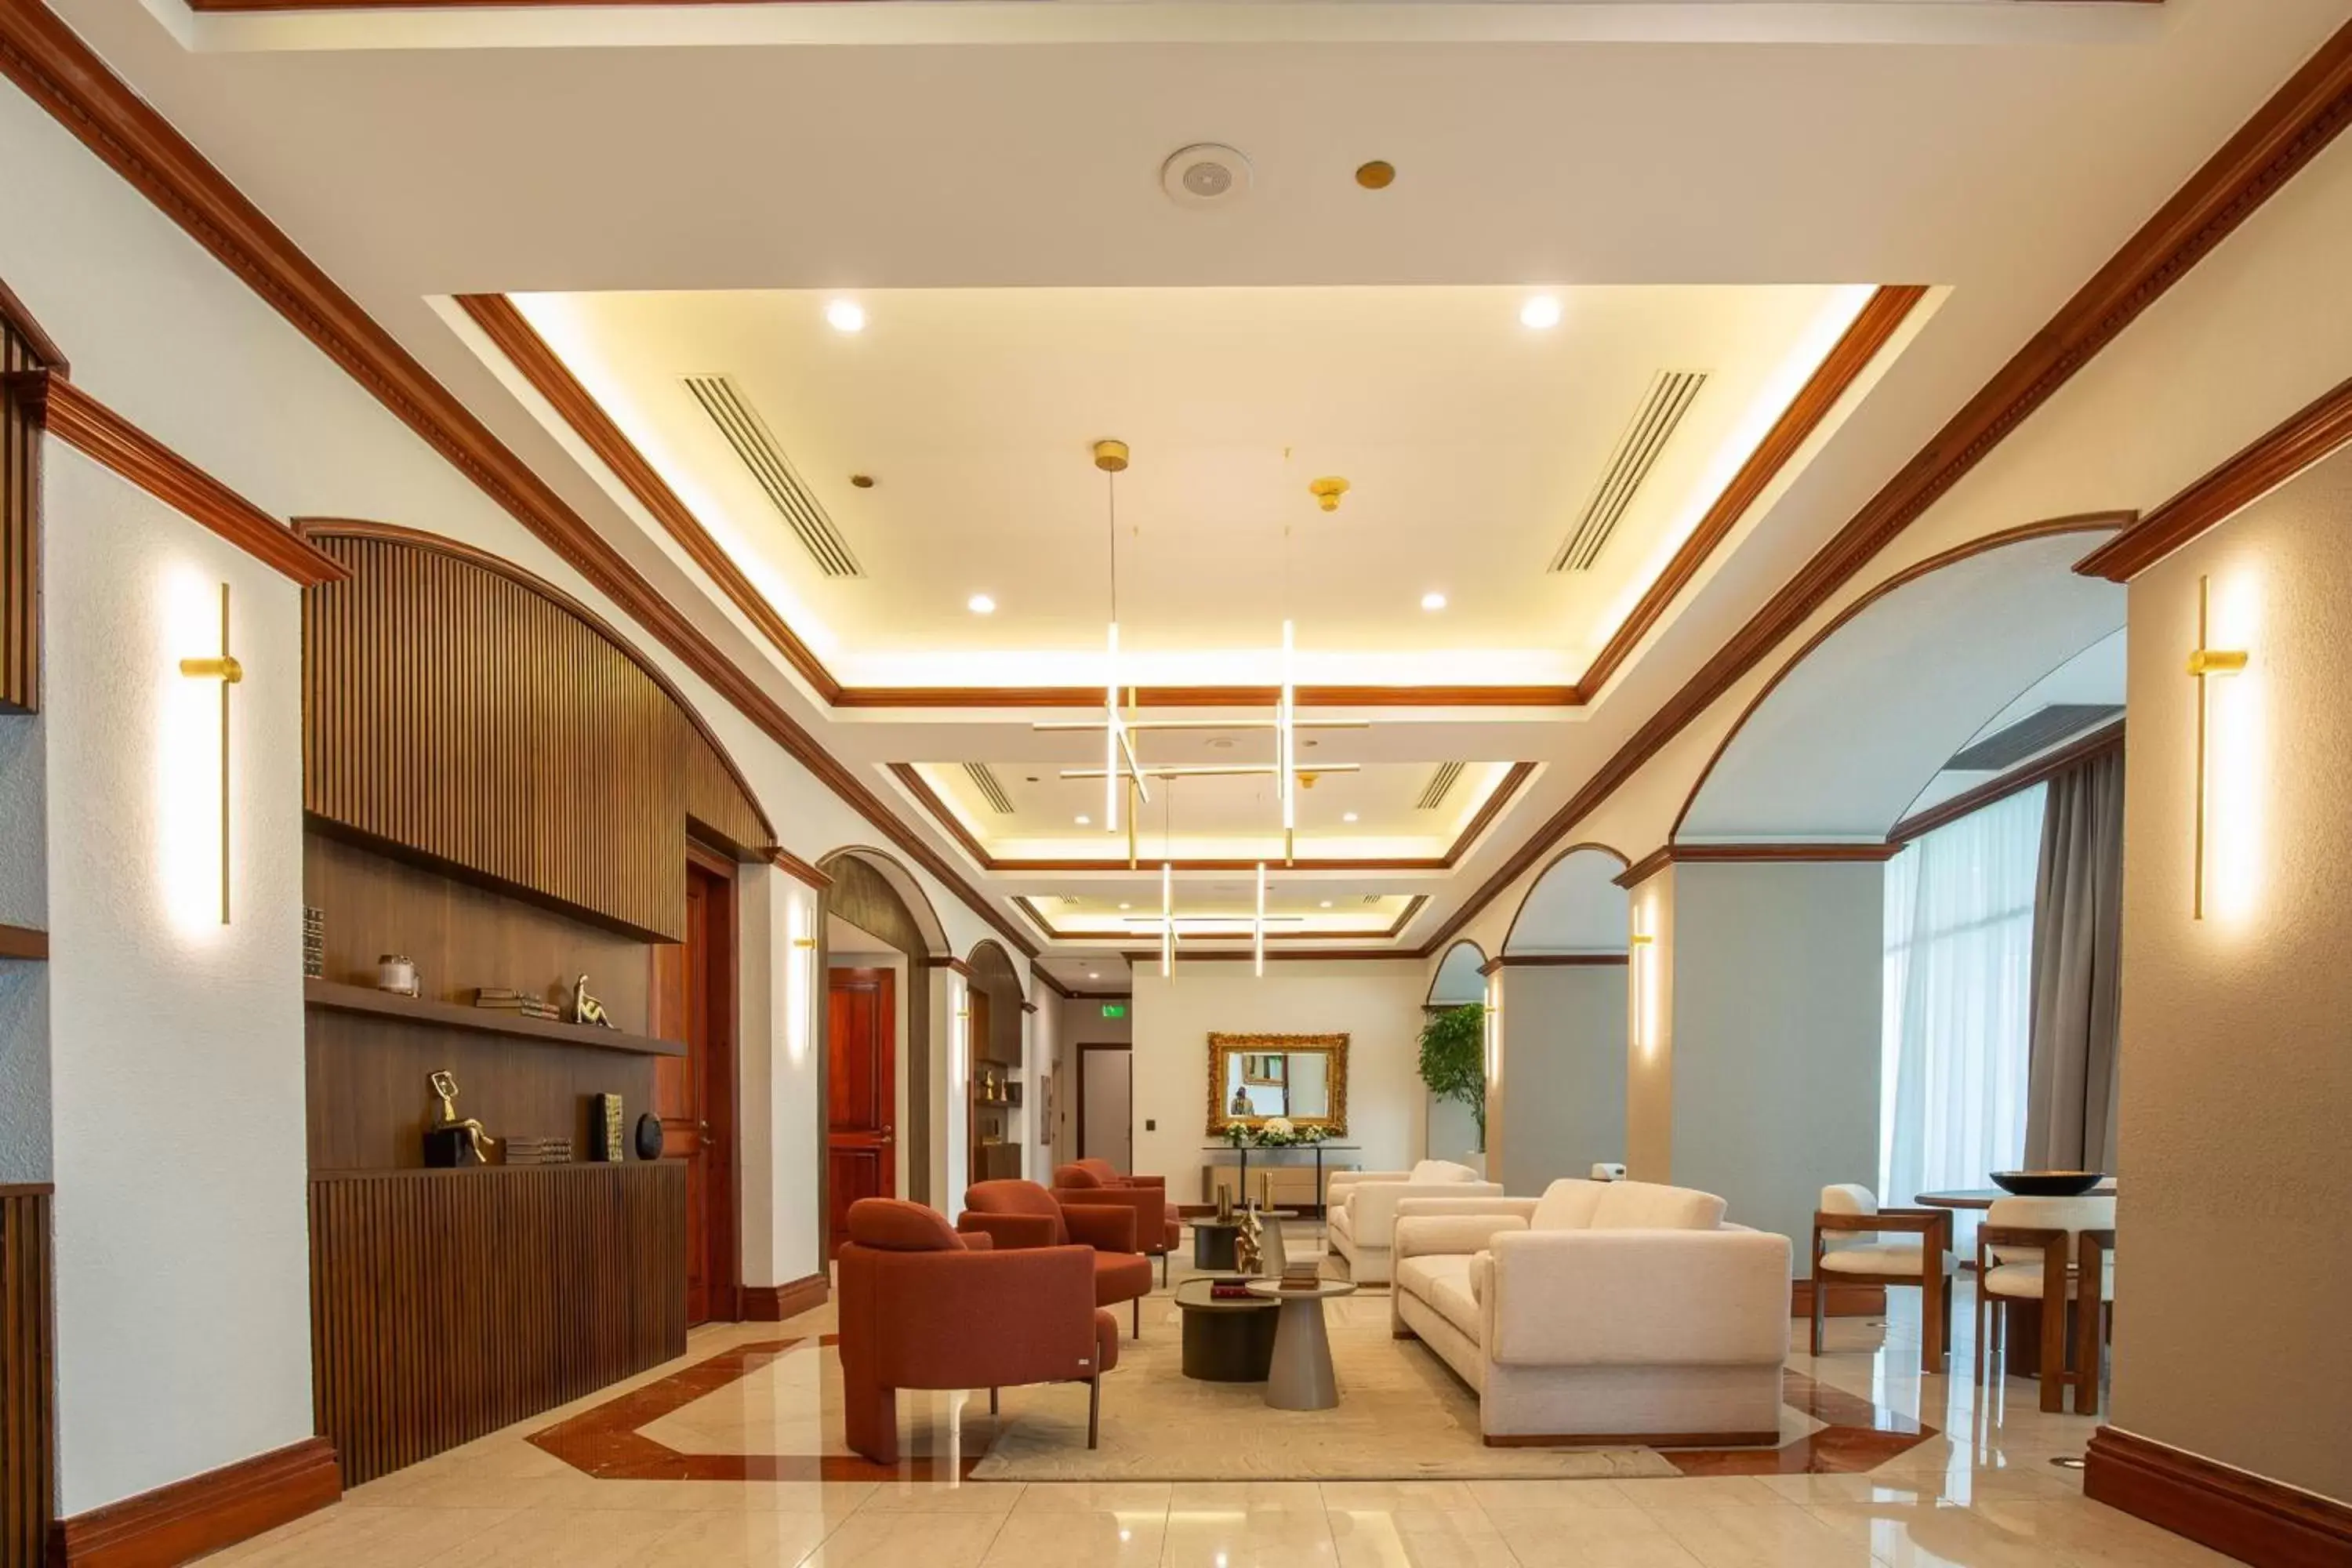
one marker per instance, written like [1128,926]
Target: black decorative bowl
[2048,1184]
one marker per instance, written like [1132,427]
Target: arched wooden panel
[459,709]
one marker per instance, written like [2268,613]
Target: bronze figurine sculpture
[447,1124]
[586,1009]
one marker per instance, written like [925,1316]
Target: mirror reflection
[1277,1083]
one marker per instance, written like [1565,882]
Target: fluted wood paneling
[445,1304]
[27,1375]
[458,709]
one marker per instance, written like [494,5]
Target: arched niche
[874,891]
[1846,733]
[996,976]
[1461,976]
[1574,905]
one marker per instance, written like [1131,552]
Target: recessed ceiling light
[1085,821]
[1347,816]
[1092,975]
[1540,312]
[1432,601]
[1326,903]
[845,316]
[1127,906]
[1376,175]
[980,605]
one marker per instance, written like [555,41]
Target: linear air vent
[1671,394]
[1372,898]
[984,779]
[748,434]
[1441,784]
[2037,732]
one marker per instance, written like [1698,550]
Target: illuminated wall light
[2233,760]
[800,979]
[1645,957]
[1258,927]
[195,799]
[958,1034]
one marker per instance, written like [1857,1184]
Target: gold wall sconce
[2204,663]
[224,668]
[1328,491]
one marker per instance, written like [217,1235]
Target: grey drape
[2078,901]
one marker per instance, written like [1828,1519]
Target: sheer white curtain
[1958,1001]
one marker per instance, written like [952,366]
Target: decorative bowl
[2048,1184]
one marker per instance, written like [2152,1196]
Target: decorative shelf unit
[337,997]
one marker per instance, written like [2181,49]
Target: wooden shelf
[24,941]
[334,996]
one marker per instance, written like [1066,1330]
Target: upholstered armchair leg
[1163,1271]
[1094,1411]
[992,1401]
[870,1418]
[1138,1305]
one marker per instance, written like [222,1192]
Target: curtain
[2069,1121]
[1957,995]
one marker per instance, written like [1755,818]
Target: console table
[1229,1153]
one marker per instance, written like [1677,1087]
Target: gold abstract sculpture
[1249,1243]
[586,1009]
[444,1084]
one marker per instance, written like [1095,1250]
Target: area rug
[1401,1416]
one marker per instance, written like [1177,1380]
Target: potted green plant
[1454,1059]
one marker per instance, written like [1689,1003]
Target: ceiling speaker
[1205,174]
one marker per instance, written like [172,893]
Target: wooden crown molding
[2313,431]
[948,961]
[791,865]
[2075,754]
[203,1514]
[53,68]
[1038,973]
[2249,1517]
[2293,127]
[1555,960]
[99,434]
[1656,860]
[27,942]
[43,348]
[910,778]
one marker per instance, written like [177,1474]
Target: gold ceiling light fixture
[1328,491]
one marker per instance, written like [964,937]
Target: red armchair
[1157,1225]
[1017,1215]
[924,1307]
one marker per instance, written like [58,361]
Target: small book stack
[314,943]
[1304,1275]
[538,1150]
[1230,1290]
[516,1002]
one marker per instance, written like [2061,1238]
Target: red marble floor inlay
[608,1442]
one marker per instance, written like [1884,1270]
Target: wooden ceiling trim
[1404,918]
[1656,860]
[2311,433]
[2292,128]
[55,69]
[2099,743]
[91,429]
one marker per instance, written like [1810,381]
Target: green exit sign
[1114,1009]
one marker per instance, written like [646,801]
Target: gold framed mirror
[1255,1077]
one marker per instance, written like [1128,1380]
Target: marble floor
[1979,1490]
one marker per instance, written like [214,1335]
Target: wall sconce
[1643,956]
[2205,662]
[800,985]
[223,668]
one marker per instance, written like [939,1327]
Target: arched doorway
[1460,980]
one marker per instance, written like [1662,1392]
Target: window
[1959,1000]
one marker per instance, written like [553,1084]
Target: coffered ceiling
[669,191]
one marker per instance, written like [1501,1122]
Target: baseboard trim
[2251,1518]
[1845,1300]
[1635,1439]
[774,1303]
[203,1514]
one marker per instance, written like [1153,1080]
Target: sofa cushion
[2015,1280]
[1012,1195]
[1646,1206]
[1443,1280]
[1441,1170]
[1342,1223]
[1568,1204]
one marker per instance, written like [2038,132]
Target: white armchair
[1362,1211]
[1600,1312]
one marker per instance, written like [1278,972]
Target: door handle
[703,1128]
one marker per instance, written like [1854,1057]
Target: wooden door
[861,1091]
[1107,1105]
[694,996]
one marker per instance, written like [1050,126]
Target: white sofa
[1360,1207]
[1602,1312]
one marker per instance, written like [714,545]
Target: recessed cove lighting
[1541,312]
[1347,816]
[845,316]
[1326,903]
[980,605]
[1085,821]
[1126,906]
[1432,601]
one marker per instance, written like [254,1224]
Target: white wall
[1564,1073]
[2236,1056]
[779,992]
[182,1242]
[1773,1056]
[1377,1004]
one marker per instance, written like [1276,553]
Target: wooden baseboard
[1845,1300]
[774,1303]
[1635,1440]
[2251,1518]
[203,1514]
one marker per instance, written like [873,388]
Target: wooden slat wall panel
[28,1378]
[447,1304]
[454,709]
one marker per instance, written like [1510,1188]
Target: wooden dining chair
[2026,1250]
[1924,1263]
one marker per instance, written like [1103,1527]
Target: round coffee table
[1212,1244]
[1300,1377]
[1228,1341]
